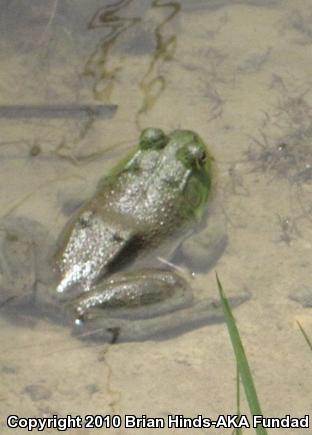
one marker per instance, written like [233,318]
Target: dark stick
[59,111]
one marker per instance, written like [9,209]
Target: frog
[141,213]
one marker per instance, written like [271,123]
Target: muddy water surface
[239,74]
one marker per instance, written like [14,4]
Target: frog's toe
[110,333]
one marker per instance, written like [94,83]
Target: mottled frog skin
[155,195]
[107,275]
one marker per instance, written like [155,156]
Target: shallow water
[236,72]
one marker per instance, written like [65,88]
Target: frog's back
[158,191]
[151,197]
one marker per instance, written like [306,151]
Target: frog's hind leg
[143,294]
[201,313]
[128,297]
[145,305]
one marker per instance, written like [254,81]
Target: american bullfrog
[141,211]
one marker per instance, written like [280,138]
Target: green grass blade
[239,430]
[307,339]
[241,359]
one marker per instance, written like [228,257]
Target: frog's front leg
[204,248]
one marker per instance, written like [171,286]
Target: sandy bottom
[239,74]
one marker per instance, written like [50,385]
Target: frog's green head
[188,162]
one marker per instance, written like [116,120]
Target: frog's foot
[154,304]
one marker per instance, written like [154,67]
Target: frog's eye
[192,155]
[153,138]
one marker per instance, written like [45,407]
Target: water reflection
[225,62]
[153,82]
[97,65]
[104,66]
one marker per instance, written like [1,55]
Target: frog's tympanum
[109,274]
